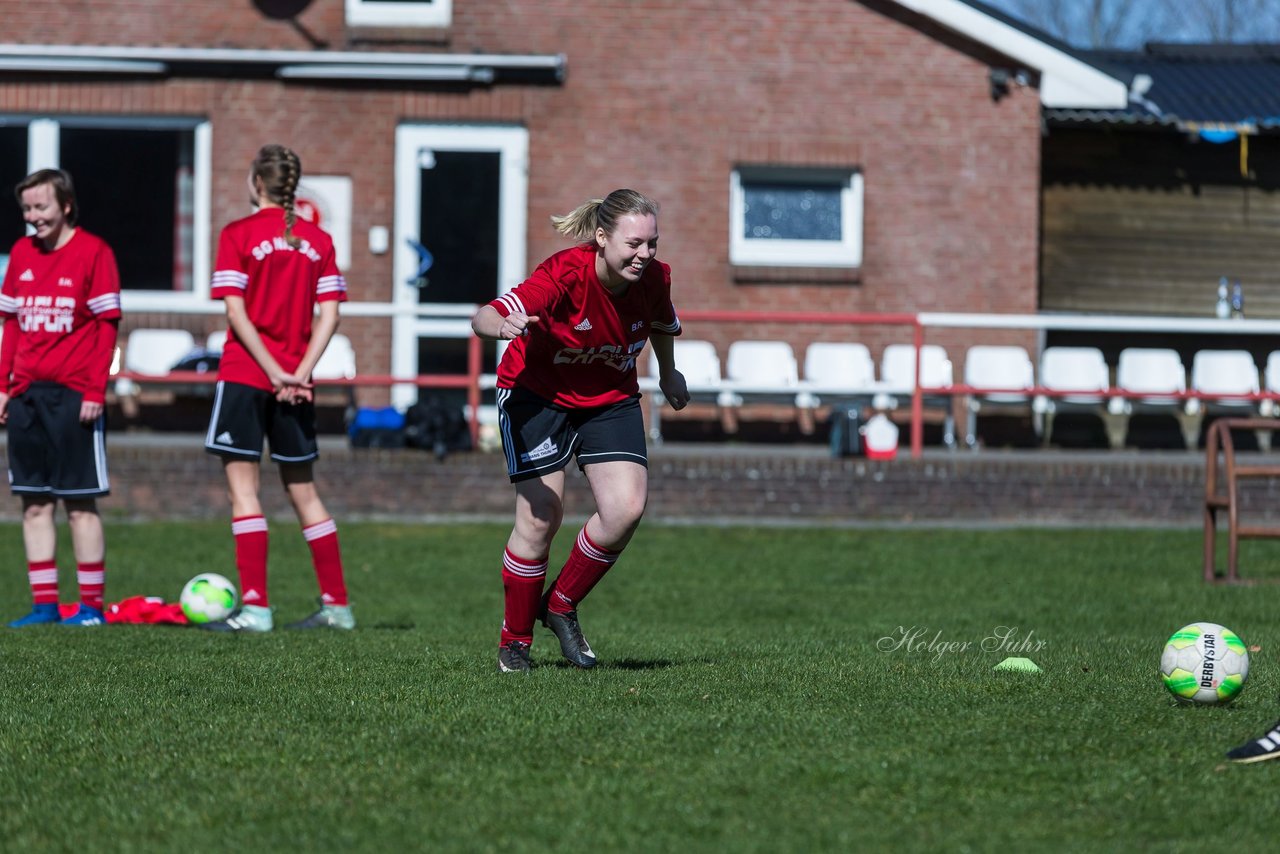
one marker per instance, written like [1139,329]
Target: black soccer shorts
[243,415]
[539,437]
[50,451]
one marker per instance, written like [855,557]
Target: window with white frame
[142,184]
[400,13]
[795,217]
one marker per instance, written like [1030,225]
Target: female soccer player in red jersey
[60,303]
[567,387]
[272,271]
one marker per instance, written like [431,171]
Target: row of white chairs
[155,352]
[1148,380]
[835,373]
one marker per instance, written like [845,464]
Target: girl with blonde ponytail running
[272,271]
[567,388]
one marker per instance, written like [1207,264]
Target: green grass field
[745,700]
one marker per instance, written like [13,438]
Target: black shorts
[243,415]
[539,437]
[50,451]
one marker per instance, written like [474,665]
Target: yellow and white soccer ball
[1205,663]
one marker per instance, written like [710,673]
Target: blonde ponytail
[581,223]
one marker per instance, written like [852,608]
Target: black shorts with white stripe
[243,415]
[51,452]
[539,437]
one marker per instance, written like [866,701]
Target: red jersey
[64,303]
[280,286]
[583,351]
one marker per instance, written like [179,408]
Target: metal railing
[474,381]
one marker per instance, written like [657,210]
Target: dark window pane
[791,211]
[134,190]
[13,168]
[459,226]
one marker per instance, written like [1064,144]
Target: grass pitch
[760,690]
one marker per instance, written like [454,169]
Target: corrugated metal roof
[1191,86]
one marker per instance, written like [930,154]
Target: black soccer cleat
[1259,749]
[573,645]
[513,657]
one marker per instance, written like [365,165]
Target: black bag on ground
[435,426]
[846,435]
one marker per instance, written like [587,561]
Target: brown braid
[279,169]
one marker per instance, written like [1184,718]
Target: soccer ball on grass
[208,597]
[1205,663]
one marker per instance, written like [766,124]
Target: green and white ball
[1205,663]
[208,597]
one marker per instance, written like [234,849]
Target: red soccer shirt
[583,351]
[280,286]
[63,302]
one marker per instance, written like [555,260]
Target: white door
[461,201]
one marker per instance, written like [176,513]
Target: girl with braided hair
[272,271]
[567,388]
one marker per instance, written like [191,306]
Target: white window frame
[43,151]
[370,13]
[845,252]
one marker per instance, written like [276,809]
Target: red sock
[42,575]
[322,537]
[522,582]
[92,578]
[586,565]
[251,558]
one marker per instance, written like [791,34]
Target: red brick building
[838,155]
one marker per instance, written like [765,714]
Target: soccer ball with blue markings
[1205,663]
[208,597]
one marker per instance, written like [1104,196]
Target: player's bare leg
[539,512]
[39,530]
[621,491]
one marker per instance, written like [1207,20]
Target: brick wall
[667,97]
[176,479]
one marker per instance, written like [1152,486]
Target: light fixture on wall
[1004,79]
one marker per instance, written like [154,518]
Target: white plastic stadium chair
[757,372]
[898,381]
[1066,369]
[1156,376]
[1007,370]
[1228,374]
[216,341]
[699,363]
[836,371]
[152,353]
[337,362]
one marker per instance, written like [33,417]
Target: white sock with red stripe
[326,556]
[42,575]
